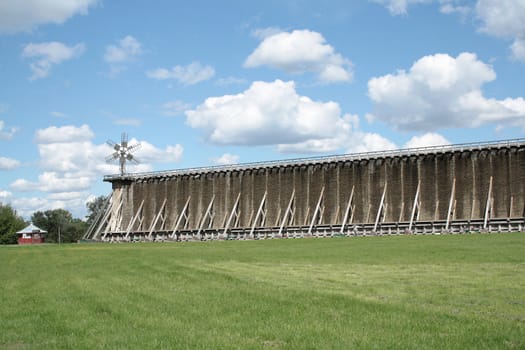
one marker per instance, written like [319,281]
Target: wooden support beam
[401,212]
[91,230]
[451,202]
[207,215]
[289,212]
[104,220]
[316,211]
[488,206]
[156,218]
[260,212]
[306,216]
[114,217]
[415,207]
[347,210]
[182,215]
[135,217]
[380,209]
[232,214]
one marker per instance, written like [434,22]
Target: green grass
[410,292]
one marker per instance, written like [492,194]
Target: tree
[10,223]
[59,221]
[95,208]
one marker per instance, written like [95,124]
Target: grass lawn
[403,292]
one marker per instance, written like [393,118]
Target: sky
[201,83]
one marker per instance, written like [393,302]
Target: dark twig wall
[461,188]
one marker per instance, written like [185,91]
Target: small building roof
[31,229]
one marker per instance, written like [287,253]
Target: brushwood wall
[399,189]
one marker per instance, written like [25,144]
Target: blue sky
[217,82]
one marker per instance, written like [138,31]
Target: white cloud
[301,51]
[54,182]
[399,7]
[263,33]
[441,91]
[6,134]
[64,134]
[499,18]
[68,153]
[226,159]
[504,19]
[188,75]
[8,163]
[71,164]
[5,195]
[22,15]
[127,49]
[151,154]
[27,206]
[518,49]
[48,54]
[272,113]
[427,140]
[449,7]
[173,108]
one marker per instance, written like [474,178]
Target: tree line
[60,224]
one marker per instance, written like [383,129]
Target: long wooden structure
[446,189]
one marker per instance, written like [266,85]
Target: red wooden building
[31,235]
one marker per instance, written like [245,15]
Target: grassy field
[410,292]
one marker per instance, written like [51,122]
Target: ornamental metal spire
[123,152]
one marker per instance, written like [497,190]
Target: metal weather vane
[123,152]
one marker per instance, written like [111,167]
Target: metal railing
[323,159]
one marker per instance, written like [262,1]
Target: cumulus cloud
[442,91]
[427,140]
[6,134]
[188,75]
[301,51]
[226,159]
[27,206]
[8,163]
[152,154]
[53,182]
[127,50]
[48,54]
[500,18]
[273,113]
[22,15]
[504,19]
[71,164]
[64,134]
